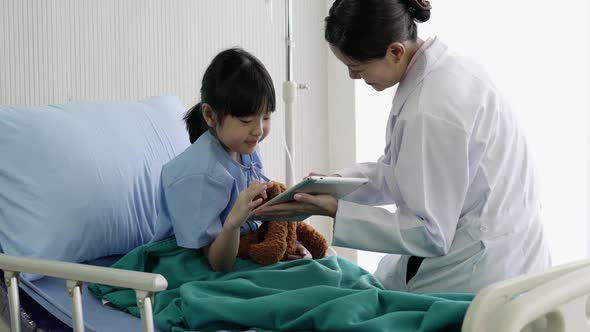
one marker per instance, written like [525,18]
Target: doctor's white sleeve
[428,183]
[376,192]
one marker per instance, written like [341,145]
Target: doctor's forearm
[376,192]
[376,229]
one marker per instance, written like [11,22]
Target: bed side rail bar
[144,284]
[542,298]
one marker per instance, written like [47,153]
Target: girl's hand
[305,204]
[245,203]
[300,252]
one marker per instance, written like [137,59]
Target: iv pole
[289,97]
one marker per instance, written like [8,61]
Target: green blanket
[330,294]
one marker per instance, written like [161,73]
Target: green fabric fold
[329,294]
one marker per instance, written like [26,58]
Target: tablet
[332,185]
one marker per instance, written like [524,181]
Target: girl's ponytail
[195,123]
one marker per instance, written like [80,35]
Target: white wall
[372,112]
[60,50]
[588,136]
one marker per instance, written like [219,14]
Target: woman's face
[379,73]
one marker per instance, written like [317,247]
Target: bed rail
[144,284]
[556,300]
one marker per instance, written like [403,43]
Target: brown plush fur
[276,240]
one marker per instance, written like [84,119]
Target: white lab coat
[458,168]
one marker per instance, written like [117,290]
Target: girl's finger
[255,203]
[293,257]
[257,190]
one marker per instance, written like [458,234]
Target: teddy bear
[276,240]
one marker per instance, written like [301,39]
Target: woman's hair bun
[419,10]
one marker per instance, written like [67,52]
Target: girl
[209,190]
[456,163]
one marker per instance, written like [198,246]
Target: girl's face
[239,135]
[380,73]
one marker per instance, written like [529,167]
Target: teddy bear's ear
[274,189]
[282,187]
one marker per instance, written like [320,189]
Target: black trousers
[413,266]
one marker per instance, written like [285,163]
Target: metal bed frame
[144,284]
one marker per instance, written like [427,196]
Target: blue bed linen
[87,172]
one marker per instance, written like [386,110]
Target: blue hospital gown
[198,189]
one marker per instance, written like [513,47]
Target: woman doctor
[456,163]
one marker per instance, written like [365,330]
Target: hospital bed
[555,300]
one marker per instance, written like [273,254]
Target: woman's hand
[245,203]
[305,204]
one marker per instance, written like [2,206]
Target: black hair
[363,29]
[235,83]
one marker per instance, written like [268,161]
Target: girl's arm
[223,250]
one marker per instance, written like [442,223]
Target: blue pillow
[80,181]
